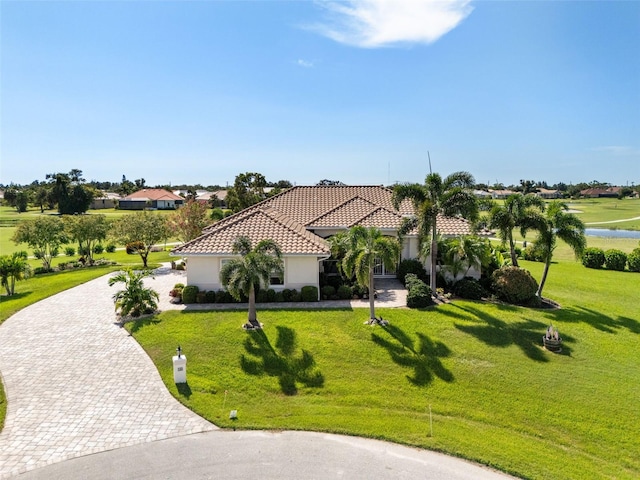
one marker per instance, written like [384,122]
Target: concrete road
[265,455]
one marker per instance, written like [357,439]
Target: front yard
[495,395]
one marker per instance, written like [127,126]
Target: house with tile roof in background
[300,220]
[151,198]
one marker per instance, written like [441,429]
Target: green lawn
[608,209]
[496,396]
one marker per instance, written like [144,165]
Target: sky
[364,92]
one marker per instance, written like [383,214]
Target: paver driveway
[77,383]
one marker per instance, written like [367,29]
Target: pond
[612,233]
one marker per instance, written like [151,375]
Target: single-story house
[300,220]
[548,194]
[105,200]
[501,194]
[220,196]
[611,192]
[151,198]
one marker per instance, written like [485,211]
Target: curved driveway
[78,384]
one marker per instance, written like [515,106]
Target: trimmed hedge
[633,260]
[309,293]
[469,288]
[413,266]
[344,292]
[419,295]
[190,294]
[514,285]
[593,257]
[615,259]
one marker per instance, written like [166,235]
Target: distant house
[220,196]
[481,194]
[300,220]
[611,192]
[151,198]
[501,194]
[548,194]
[105,200]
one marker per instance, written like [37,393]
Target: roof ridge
[332,210]
[294,226]
[374,211]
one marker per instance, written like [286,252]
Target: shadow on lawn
[525,334]
[596,319]
[424,357]
[280,361]
[137,325]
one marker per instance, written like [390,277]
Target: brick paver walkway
[77,383]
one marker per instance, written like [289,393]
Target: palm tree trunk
[547,263]
[512,247]
[372,294]
[253,320]
[434,257]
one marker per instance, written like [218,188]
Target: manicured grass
[608,209]
[496,396]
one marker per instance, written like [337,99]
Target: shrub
[411,279]
[189,294]
[593,257]
[514,285]
[533,253]
[633,260]
[328,291]
[261,296]
[133,247]
[98,249]
[279,296]
[222,296]
[615,259]
[413,266]
[419,295]
[344,292]
[286,295]
[69,251]
[309,293]
[469,288]
[271,295]
[201,297]
[210,297]
[110,248]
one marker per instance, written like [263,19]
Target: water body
[607,232]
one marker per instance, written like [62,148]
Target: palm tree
[243,276]
[465,252]
[135,299]
[553,224]
[13,267]
[450,197]
[514,213]
[365,247]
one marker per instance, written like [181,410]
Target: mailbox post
[179,367]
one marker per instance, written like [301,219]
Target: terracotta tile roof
[287,217]
[153,194]
[256,224]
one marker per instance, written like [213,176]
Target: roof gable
[153,194]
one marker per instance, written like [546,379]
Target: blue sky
[199,91]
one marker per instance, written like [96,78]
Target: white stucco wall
[299,271]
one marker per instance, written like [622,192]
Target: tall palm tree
[365,247]
[242,276]
[556,223]
[513,213]
[135,299]
[466,252]
[450,197]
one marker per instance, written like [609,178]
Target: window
[275,279]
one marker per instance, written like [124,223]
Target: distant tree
[327,182]
[44,235]
[144,227]
[140,183]
[365,247]
[10,196]
[188,221]
[41,197]
[13,268]
[555,223]
[22,200]
[135,299]
[243,275]
[69,192]
[247,190]
[512,214]
[450,197]
[87,230]
[527,186]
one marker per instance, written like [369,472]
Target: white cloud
[305,63]
[378,23]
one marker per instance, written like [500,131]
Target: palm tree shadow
[423,357]
[596,319]
[281,362]
[137,325]
[525,334]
